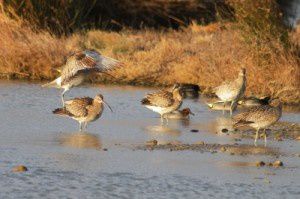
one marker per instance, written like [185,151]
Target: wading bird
[163,101]
[79,66]
[232,91]
[83,110]
[259,117]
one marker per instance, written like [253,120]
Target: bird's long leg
[256,136]
[85,125]
[224,103]
[217,102]
[162,119]
[265,135]
[80,126]
[232,107]
[166,119]
[62,97]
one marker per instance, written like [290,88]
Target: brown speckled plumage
[232,91]
[80,65]
[260,117]
[164,101]
[84,110]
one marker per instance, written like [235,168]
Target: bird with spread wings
[80,65]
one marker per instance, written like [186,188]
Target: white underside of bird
[227,96]
[160,110]
[261,125]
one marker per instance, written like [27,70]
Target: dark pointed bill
[108,106]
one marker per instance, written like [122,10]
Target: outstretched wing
[85,62]
[103,63]
[161,99]
[78,106]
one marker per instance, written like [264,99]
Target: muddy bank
[232,149]
[279,131]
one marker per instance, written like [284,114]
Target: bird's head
[242,72]
[275,102]
[99,99]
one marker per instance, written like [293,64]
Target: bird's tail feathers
[60,111]
[50,84]
[53,83]
[145,101]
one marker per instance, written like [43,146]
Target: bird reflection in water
[163,134]
[221,123]
[81,140]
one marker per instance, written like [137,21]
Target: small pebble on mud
[277,163]
[105,149]
[194,131]
[223,149]
[270,164]
[260,164]
[224,130]
[151,143]
[19,168]
[199,143]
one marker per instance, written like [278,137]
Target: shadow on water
[80,140]
[163,134]
[221,123]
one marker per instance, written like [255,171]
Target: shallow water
[65,164]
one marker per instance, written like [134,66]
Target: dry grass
[203,55]
[25,53]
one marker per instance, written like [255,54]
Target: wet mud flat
[279,131]
[43,155]
[232,149]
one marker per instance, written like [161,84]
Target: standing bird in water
[163,101]
[79,66]
[232,91]
[260,117]
[83,110]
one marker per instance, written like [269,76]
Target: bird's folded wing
[161,99]
[77,106]
[251,115]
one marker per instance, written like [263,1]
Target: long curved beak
[108,106]
[192,113]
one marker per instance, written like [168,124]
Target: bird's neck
[279,107]
[184,113]
[97,105]
[177,96]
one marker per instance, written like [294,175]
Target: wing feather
[161,99]
[78,106]
[252,115]
[85,62]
